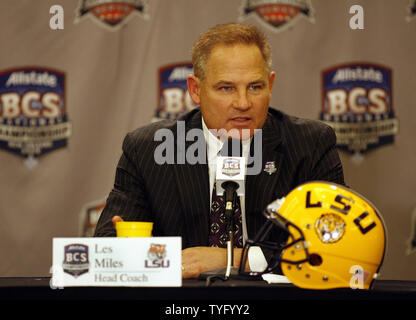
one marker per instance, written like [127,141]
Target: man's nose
[242,100]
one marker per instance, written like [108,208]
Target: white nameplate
[117,262]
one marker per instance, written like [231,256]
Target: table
[22,288]
[256,297]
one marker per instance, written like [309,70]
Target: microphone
[230,183]
[230,178]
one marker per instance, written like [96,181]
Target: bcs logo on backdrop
[111,13]
[277,14]
[357,103]
[174,98]
[33,118]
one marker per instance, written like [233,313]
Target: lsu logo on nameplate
[277,14]
[156,256]
[174,98]
[33,118]
[76,260]
[358,104]
[111,14]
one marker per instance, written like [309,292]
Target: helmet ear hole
[315,259]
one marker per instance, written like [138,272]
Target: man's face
[236,90]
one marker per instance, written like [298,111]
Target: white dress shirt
[256,259]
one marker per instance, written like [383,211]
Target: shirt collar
[215,145]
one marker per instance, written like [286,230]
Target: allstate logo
[156,255]
[76,260]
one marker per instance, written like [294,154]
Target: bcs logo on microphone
[231,166]
[156,255]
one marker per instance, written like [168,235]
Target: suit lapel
[193,187]
[261,189]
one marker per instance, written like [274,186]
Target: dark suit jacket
[176,196]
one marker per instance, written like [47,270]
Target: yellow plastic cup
[134,229]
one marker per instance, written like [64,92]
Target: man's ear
[272,78]
[194,85]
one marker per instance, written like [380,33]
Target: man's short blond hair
[228,34]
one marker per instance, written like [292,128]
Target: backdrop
[76,76]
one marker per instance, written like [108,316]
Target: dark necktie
[217,234]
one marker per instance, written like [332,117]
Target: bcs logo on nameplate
[277,14]
[33,118]
[76,260]
[357,103]
[174,98]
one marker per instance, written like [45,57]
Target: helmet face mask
[335,238]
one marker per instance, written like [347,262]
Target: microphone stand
[230,195]
[230,228]
[230,198]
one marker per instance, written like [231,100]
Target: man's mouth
[241,119]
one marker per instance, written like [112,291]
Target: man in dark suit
[232,84]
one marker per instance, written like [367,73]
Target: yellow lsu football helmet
[335,237]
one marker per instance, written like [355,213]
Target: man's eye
[226,88]
[256,87]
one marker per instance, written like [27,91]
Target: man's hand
[116,219]
[196,260]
